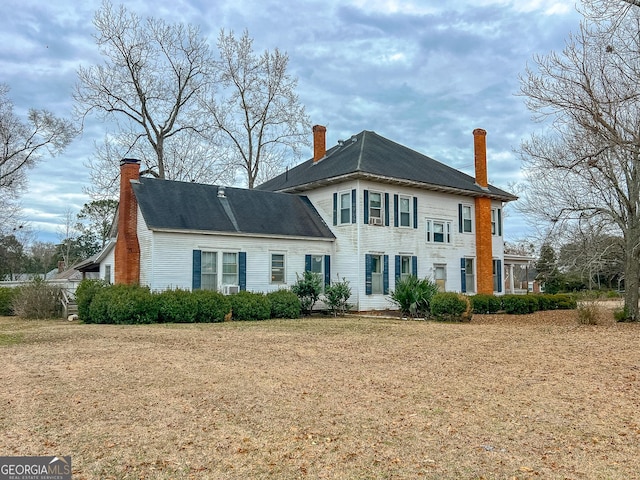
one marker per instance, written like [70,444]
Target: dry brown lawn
[502,397]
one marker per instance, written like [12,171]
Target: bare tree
[23,144]
[148,85]
[586,165]
[257,109]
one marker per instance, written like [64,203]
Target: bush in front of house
[564,301]
[284,304]
[413,295]
[336,297]
[6,300]
[85,292]
[452,307]
[212,306]
[516,304]
[124,304]
[37,300]
[176,306]
[308,288]
[250,306]
[483,303]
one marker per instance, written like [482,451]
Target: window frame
[282,267]
[208,285]
[431,233]
[380,208]
[377,276]
[467,208]
[314,257]
[440,282]
[408,212]
[342,210]
[406,260]
[470,278]
[224,276]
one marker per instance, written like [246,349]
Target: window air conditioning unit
[229,289]
[375,221]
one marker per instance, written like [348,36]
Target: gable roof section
[180,206]
[368,155]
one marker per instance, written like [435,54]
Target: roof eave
[305,187]
[240,234]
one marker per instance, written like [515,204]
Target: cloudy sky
[423,73]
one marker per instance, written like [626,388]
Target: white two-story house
[367,210]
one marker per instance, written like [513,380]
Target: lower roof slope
[181,206]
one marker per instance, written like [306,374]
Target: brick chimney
[319,142]
[127,253]
[484,240]
[480,154]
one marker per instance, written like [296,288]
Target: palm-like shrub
[413,296]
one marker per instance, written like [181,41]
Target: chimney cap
[127,161]
[479,131]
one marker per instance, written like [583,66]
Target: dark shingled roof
[171,205]
[371,156]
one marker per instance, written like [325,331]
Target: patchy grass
[502,397]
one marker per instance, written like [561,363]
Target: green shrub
[564,301]
[515,304]
[413,295]
[124,304]
[284,304]
[483,303]
[212,306]
[533,302]
[450,306]
[250,306]
[177,306]
[308,289]
[546,302]
[621,314]
[37,299]
[6,299]
[336,297]
[85,292]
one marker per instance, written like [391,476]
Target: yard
[502,397]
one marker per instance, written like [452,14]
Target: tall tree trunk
[631,273]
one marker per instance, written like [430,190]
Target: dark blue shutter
[307,263]
[196,279]
[395,211]
[327,270]
[385,276]
[414,266]
[367,274]
[463,277]
[366,206]
[499,222]
[354,202]
[460,217]
[386,209]
[335,208]
[242,270]
[415,212]
[499,274]
[397,268]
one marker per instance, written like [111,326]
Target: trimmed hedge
[483,303]
[86,291]
[212,306]
[450,306]
[284,304]
[124,304]
[250,306]
[177,306]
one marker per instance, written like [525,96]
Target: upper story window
[438,231]
[375,205]
[496,221]
[465,218]
[405,211]
[345,207]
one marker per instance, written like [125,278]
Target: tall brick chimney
[127,253]
[319,142]
[480,154]
[484,240]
